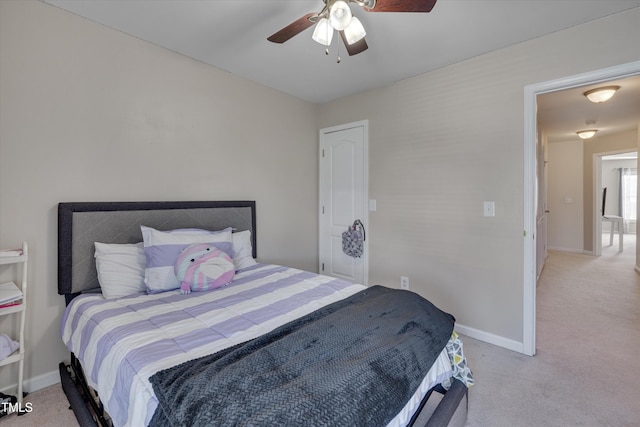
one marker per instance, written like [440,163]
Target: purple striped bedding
[122,342]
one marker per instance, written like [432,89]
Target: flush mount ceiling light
[586,134]
[601,94]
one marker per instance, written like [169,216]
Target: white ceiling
[232,35]
[561,114]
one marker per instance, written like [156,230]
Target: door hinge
[323,152]
[323,266]
[323,210]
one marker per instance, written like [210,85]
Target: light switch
[372,205]
[489,208]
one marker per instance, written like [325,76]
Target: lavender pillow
[162,248]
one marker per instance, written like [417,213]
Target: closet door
[343,198]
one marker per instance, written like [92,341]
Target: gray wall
[90,114]
[565,196]
[570,174]
[442,143]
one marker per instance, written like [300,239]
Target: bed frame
[82,224]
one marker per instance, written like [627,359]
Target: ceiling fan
[336,15]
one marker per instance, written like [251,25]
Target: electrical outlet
[404,282]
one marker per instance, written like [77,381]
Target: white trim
[489,338]
[596,163]
[365,126]
[570,250]
[597,196]
[36,383]
[529,245]
[530,120]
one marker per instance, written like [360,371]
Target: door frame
[365,199]
[530,206]
[597,200]
[597,195]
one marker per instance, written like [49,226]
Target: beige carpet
[586,369]
[50,407]
[585,372]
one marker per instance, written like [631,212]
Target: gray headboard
[82,224]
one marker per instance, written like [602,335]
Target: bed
[258,349]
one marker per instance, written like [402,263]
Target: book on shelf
[9,293]
[10,252]
[11,304]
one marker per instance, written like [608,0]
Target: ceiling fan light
[323,33]
[340,15]
[586,134]
[601,94]
[355,31]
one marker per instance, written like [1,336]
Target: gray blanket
[354,362]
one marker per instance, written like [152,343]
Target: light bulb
[340,15]
[323,32]
[355,31]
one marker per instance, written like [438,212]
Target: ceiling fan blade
[293,29]
[357,47]
[402,6]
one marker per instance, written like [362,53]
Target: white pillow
[161,250]
[120,268]
[242,250]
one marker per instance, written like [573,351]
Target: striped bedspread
[122,342]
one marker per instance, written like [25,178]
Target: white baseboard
[561,249]
[42,381]
[490,338]
[36,383]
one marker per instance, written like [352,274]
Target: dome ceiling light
[601,94]
[586,134]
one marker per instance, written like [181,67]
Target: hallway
[588,337]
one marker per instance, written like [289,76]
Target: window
[628,193]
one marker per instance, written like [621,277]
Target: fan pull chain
[326,51]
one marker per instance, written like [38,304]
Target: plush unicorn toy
[201,267]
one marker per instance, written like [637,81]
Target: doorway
[530,182]
[343,199]
[616,184]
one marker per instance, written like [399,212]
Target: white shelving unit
[9,257]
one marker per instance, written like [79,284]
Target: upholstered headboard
[82,224]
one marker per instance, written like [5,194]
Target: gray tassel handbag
[353,240]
